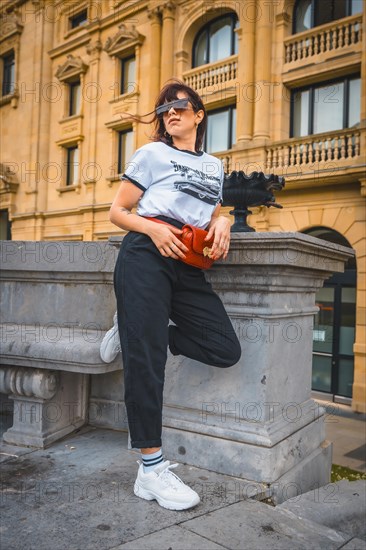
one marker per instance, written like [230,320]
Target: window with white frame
[312,13]
[221,129]
[326,107]
[215,41]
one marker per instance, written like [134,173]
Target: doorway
[334,328]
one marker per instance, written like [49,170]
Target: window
[72,166]
[5,226]
[221,130]
[311,13]
[74,98]
[216,41]
[79,19]
[8,74]
[125,148]
[327,107]
[128,75]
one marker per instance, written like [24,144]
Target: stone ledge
[72,352]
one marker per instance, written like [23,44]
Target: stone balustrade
[213,77]
[340,146]
[337,35]
[255,420]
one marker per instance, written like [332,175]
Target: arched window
[311,13]
[216,40]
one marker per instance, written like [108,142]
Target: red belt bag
[194,239]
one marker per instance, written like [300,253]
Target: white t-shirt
[180,184]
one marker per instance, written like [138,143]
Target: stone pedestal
[47,404]
[256,420]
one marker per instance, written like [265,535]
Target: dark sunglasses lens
[177,104]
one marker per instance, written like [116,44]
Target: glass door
[333,338]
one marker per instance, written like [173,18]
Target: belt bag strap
[194,239]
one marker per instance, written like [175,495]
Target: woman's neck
[185,144]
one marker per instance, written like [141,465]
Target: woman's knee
[230,353]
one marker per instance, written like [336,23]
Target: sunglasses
[177,104]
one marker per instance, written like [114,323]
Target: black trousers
[150,290]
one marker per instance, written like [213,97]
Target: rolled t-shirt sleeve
[138,170]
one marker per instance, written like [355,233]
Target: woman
[172,180]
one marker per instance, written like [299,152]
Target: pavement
[78,495]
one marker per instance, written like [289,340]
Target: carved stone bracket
[8,181]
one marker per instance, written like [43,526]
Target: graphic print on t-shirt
[193,182]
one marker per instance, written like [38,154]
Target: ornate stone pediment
[10,24]
[73,66]
[8,181]
[125,38]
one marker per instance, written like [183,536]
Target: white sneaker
[110,346]
[165,487]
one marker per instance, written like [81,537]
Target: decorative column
[155,49]
[246,89]
[90,170]
[263,55]
[167,47]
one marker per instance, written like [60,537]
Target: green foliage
[341,472]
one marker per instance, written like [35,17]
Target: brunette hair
[169,93]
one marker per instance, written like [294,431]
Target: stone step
[340,506]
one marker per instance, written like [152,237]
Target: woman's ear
[199,116]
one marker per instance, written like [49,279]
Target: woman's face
[182,123]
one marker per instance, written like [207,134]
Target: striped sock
[150,461]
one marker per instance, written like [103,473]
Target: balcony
[332,150]
[214,77]
[335,38]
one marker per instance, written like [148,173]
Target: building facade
[284,84]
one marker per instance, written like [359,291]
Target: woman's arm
[163,236]
[219,228]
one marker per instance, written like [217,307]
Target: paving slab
[340,505]
[174,538]
[249,525]
[355,544]
[78,495]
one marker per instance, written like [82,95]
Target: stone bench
[57,301]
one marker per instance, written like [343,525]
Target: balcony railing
[339,146]
[333,36]
[215,75]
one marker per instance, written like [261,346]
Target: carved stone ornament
[123,39]
[72,66]
[94,48]
[8,181]
[10,24]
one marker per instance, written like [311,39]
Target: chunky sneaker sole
[166,488]
[149,495]
[110,346]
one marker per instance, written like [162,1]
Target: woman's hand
[165,239]
[219,228]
